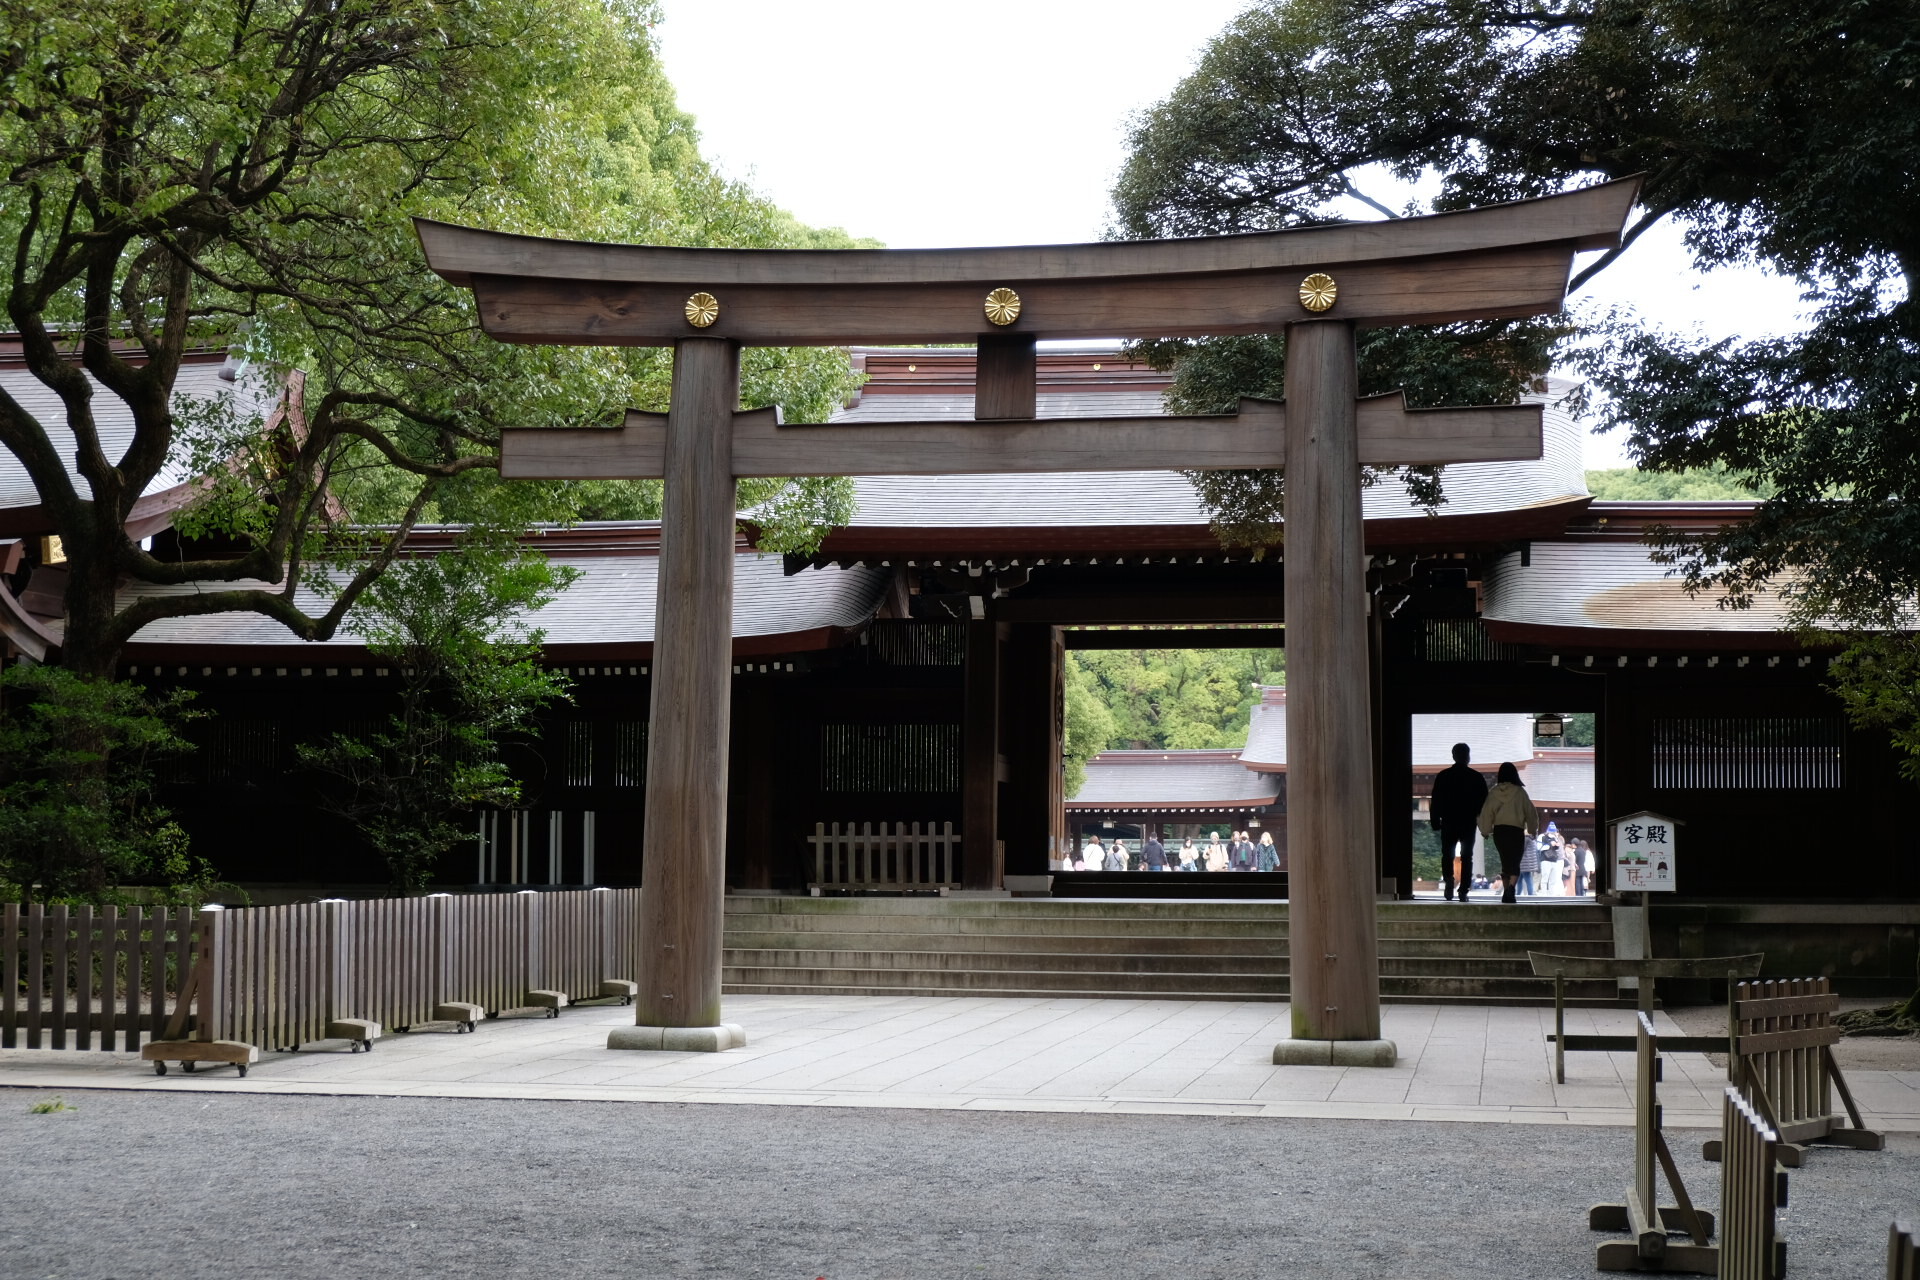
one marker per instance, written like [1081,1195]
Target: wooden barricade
[1781,1033]
[279,977]
[1560,968]
[1903,1251]
[1642,1214]
[1752,1186]
[107,975]
[899,857]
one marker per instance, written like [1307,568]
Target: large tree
[180,173]
[1780,132]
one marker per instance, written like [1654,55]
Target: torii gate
[1318,284]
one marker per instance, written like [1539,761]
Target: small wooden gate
[111,973]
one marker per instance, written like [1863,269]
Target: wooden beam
[1251,439]
[1590,218]
[1332,936]
[982,855]
[684,873]
[1177,638]
[1435,290]
[1006,375]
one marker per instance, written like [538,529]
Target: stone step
[1508,951]
[979,943]
[1110,993]
[1240,985]
[1477,969]
[1035,926]
[1009,961]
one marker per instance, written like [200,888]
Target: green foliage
[77,818]
[1877,678]
[1775,133]
[1708,484]
[452,625]
[1088,724]
[1426,852]
[182,174]
[1178,698]
[51,1107]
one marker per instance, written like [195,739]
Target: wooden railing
[276,977]
[898,857]
[1781,1036]
[1752,1186]
[114,973]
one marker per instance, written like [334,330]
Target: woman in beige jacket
[1508,818]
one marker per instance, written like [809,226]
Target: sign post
[1643,862]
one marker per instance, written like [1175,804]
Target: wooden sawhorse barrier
[1752,1186]
[1781,1036]
[1560,968]
[1643,1215]
[1903,1251]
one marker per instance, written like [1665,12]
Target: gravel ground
[135,1185]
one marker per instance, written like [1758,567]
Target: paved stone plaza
[1464,1063]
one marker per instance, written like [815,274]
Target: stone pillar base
[1335,1053]
[727,1035]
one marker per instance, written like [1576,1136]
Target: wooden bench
[1560,968]
[1782,1035]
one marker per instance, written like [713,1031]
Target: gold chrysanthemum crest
[702,310]
[1003,306]
[1318,291]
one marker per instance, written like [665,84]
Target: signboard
[1643,853]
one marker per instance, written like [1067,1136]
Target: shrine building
[910,672]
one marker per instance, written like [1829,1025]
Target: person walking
[1189,855]
[1242,852]
[1552,869]
[1266,856]
[1091,856]
[1116,855]
[1153,853]
[1216,853]
[1453,807]
[1582,868]
[1508,818]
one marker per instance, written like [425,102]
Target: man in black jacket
[1454,808]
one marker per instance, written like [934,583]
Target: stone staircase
[1431,953]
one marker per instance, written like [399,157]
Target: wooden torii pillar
[1318,284]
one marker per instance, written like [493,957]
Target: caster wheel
[243,1070]
[366,1046]
[470,1027]
[187,1067]
[492,1013]
[159,1068]
[403,1030]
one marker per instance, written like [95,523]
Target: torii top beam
[1506,260]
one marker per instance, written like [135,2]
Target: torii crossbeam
[1317,284]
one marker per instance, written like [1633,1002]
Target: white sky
[1003,122]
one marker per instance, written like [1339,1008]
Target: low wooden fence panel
[897,857]
[276,977]
[1903,1251]
[108,975]
[1781,1035]
[1752,1186]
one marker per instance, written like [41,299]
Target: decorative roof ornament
[1318,291]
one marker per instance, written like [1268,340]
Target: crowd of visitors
[1533,862]
[1237,851]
